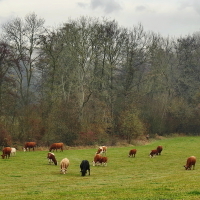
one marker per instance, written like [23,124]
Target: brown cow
[102,150]
[98,159]
[132,152]
[51,157]
[29,145]
[6,152]
[153,153]
[56,146]
[103,160]
[159,150]
[191,161]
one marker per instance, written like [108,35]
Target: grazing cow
[51,157]
[102,150]
[64,164]
[191,161]
[13,151]
[159,150]
[85,166]
[6,152]
[103,161]
[132,152]
[153,153]
[56,146]
[29,145]
[98,159]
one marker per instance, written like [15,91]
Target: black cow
[84,167]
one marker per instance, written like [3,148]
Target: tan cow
[13,151]
[64,164]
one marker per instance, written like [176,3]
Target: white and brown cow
[52,159]
[102,150]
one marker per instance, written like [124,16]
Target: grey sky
[167,17]
[108,6]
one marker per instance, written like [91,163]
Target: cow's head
[83,172]
[186,167]
[63,171]
[3,156]
[55,162]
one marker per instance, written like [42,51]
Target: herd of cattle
[99,158]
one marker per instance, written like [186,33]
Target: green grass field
[29,176]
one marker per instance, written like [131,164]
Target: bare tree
[23,36]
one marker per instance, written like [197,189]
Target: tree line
[92,81]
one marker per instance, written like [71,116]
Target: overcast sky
[167,17]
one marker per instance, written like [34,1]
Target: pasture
[29,176]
